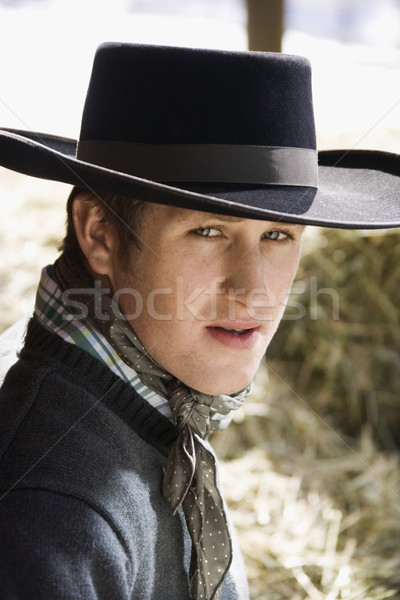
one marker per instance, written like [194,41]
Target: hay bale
[338,345]
[317,513]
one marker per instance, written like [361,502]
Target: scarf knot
[187,410]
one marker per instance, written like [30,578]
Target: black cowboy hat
[217,131]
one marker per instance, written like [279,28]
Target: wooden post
[265,24]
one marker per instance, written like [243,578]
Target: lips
[240,336]
[235,331]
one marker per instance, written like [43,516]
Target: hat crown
[167,95]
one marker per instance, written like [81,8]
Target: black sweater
[81,464]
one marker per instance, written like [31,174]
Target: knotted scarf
[190,479]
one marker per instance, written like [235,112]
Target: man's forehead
[227,218]
[188,214]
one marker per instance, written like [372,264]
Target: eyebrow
[228,218]
[231,219]
[239,219]
[195,215]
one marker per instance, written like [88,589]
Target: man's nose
[246,282]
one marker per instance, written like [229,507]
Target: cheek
[280,280]
[183,292]
[286,269]
[164,309]
[160,305]
[143,289]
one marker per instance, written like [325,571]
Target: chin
[224,386]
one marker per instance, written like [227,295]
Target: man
[195,175]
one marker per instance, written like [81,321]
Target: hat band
[211,163]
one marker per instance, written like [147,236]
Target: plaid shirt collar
[54,316]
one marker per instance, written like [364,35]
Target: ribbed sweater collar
[83,370]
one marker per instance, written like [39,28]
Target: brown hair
[124,213]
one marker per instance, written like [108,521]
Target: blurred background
[310,466]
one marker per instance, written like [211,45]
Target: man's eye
[275,235]
[207,232]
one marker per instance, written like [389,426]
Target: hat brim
[358,189]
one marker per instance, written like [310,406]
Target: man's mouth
[235,337]
[236,331]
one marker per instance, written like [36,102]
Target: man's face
[205,293]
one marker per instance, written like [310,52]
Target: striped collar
[54,316]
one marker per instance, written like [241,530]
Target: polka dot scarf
[190,479]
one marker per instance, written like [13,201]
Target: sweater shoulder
[67,372]
[67,423]
[76,550]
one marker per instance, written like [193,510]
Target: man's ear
[96,237]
